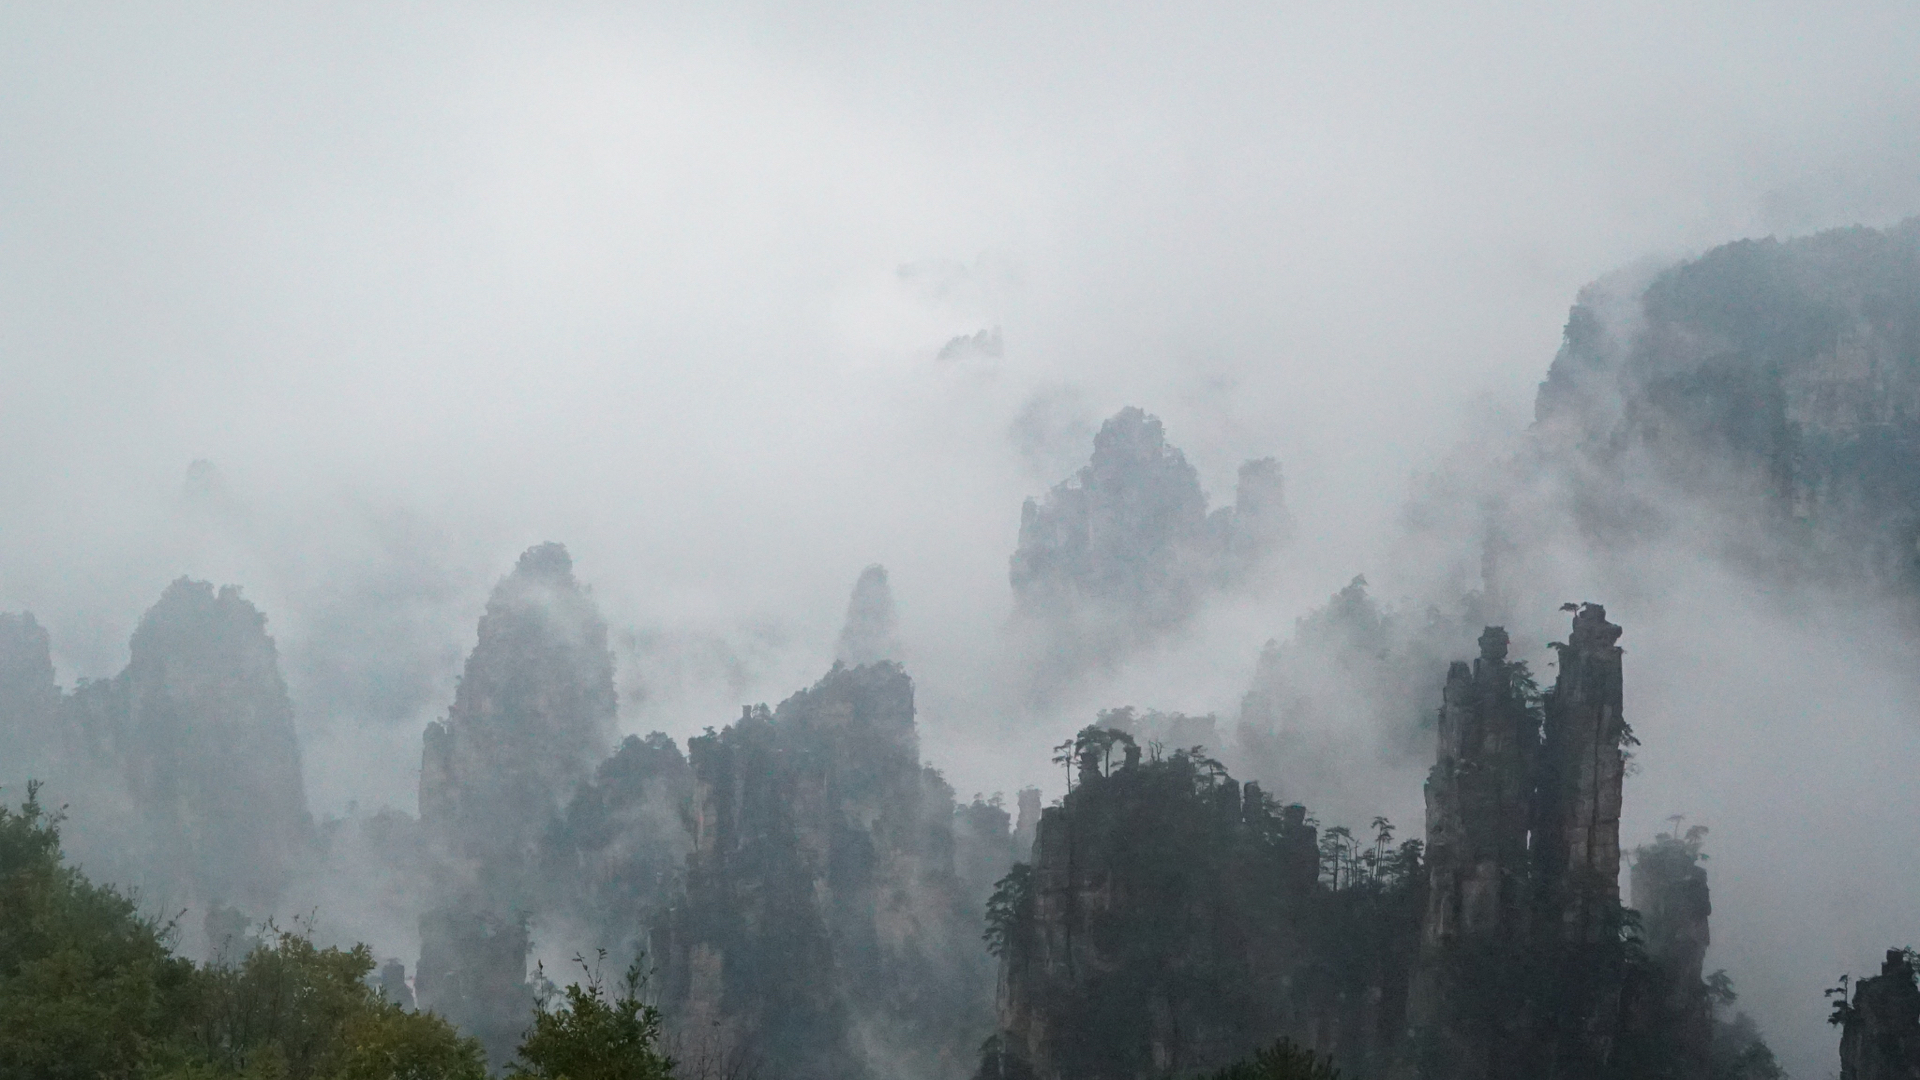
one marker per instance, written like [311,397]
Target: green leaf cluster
[595,1034]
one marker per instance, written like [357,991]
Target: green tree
[391,1043]
[1281,1061]
[1009,908]
[89,988]
[87,984]
[595,1035]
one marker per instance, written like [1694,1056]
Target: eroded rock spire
[871,632]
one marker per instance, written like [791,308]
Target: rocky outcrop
[1125,549]
[1577,866]
[1770,386]
[30,742]
[871,632]
[531,719]
[1880,1033]
[823,928]
[209,746]
[1173,919]
[1668,1006]
[1127,531]
[1521,955]
[613,868]
[1480,802]
[189,756]
[184,769]
[1529,964]
[1583,759]
[1480,903]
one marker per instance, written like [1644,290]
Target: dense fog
[776,317]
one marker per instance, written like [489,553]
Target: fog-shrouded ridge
[438,445]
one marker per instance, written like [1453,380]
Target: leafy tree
[89,988]
[596,1035]
[393,1044]
[1009,908]
[87,984]
[1282,1061]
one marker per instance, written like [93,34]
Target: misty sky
[431,283]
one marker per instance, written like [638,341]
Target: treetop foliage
[90,988]
[596,1034]
[1281,1061]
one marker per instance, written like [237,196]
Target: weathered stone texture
[1585,764]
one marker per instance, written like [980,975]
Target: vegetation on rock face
[1175,919]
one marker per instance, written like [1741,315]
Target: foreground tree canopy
[90,988]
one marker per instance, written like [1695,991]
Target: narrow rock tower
[1480,800]
[29,742]
[871,633]
[207,746]
[1521,963]
[1584,763]
[533,715]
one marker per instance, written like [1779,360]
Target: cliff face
[1480,803]
[209,746]
[1880,1039]
[1124,532]
[1577,868]
[1172,920]
[1775,382]
[532,717]
[823,928]
[1584,764]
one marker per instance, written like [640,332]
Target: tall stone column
[1581,964]
[1585,762]
[1479,811]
